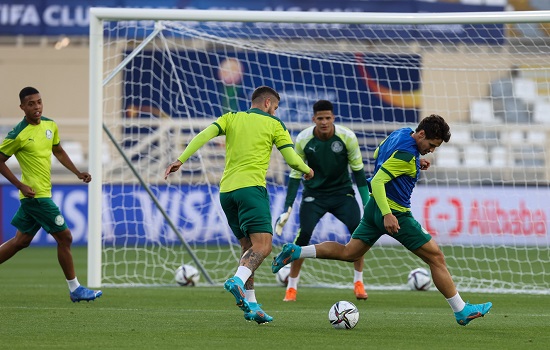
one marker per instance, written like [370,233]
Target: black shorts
[344,207]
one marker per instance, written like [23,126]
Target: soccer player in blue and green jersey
[398,165]
[330,149]
[250,136]
[32,142]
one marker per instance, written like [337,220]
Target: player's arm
[298,166]
[284,144]
[9,146]
[7,173]
[355,160]
[295,162]
[400,163]
[66,161]
[197,142]
[362,187]
[291,192]
[294,177]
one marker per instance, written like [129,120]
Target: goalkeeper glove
[281,221]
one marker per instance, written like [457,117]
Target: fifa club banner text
[471,216]
[71,17]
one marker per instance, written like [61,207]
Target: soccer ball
[343,315]
[187,275]
[419,279]
[282,275]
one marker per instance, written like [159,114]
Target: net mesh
[482,199]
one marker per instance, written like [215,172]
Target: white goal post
[157,77]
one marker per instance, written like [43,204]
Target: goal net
[158,77]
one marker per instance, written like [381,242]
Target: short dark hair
[263,91]
[322,105]
[27,91]
[435,128]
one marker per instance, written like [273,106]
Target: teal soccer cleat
[257,314]
[289,253]
[235,286]
[82,293]
[471,312]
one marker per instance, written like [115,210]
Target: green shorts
[247,210]
[343,206]
[35,213]
[411,234]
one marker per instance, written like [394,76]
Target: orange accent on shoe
[359,290]
[290,294]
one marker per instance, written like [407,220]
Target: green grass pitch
[36,313]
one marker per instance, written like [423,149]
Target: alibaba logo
[387,95]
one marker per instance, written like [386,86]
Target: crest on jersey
[337,147]
[49,134]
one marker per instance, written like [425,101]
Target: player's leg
[235,285]
[248,215]
[310,214]
[366,234]
[64,240]
[47,214]
[77,292]
[346,209]
[330,250]
[26,226]
[13,245]
[253,258]
[256,313]
[418,240]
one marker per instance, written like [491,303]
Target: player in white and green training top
[250,136]
[32,142]
[331,150]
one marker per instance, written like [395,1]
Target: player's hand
[173,167]
[281,221]
[424,164]
[391,224]
[310,175]
[85,177]
[27,191]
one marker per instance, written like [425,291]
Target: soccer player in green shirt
[250,136]
[330,149]
[397,169]
[32,142]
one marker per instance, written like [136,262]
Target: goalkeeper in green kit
[330,149]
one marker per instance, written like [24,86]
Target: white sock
[243,273]
[308,251]
[250,295]
[293,282]
[456,303]
[73,284]
[357,276]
